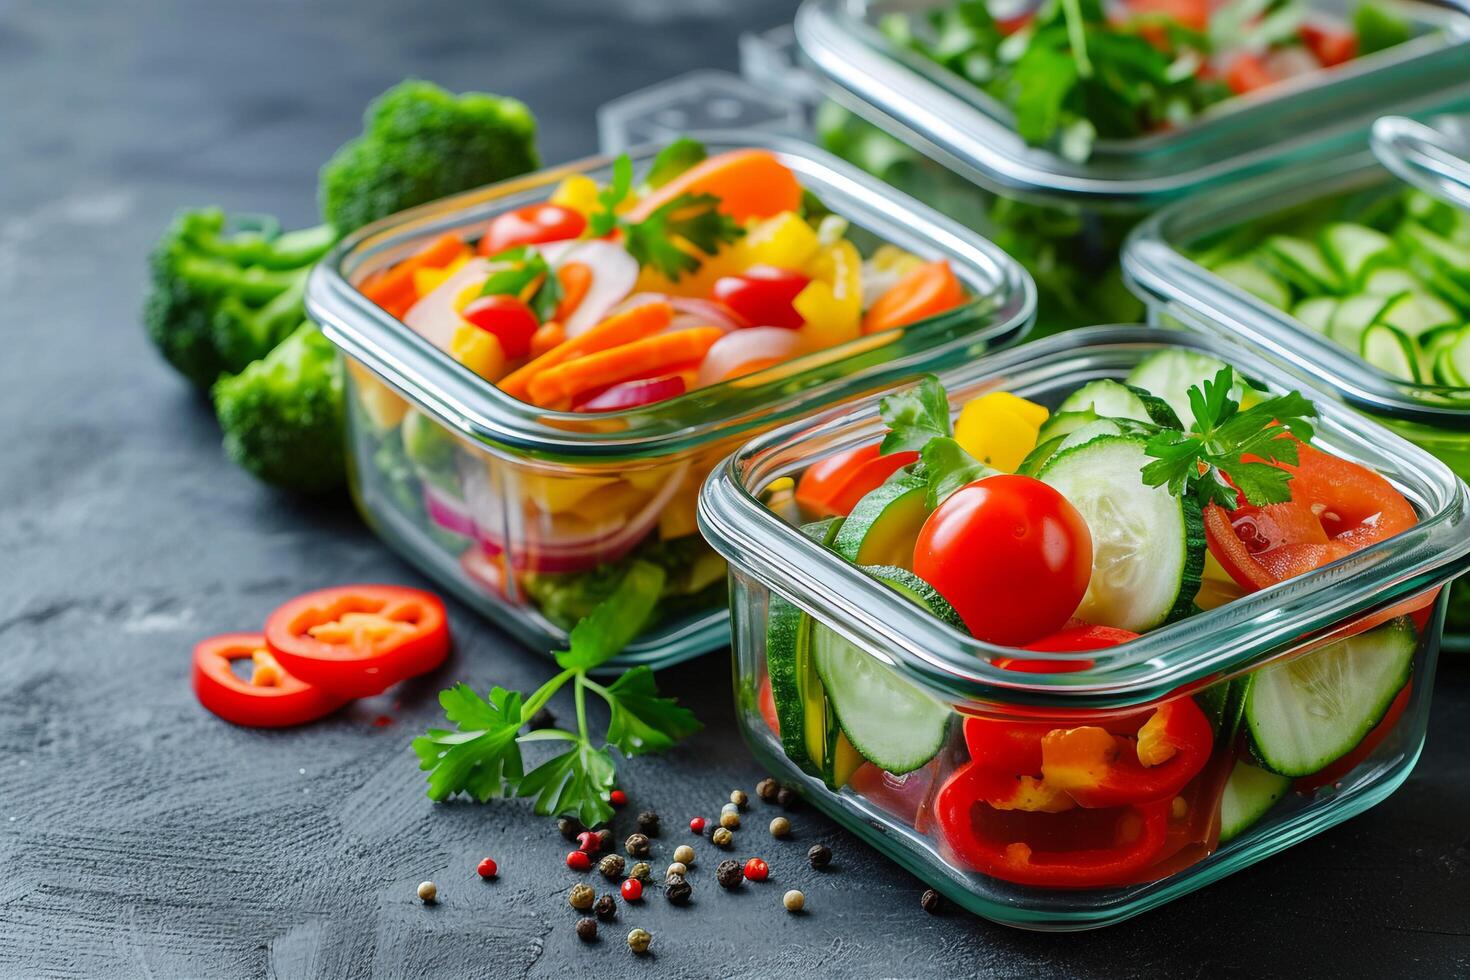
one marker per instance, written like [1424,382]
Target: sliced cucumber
[1249,794]
[1170,374]
[1316,312]
[892,723]
[1251,277]
[1148,546]
[882,528]
[1416,314]
[1115,400]
[1355,250]
[1304,714]
[1390,281]
[1063,423]
[1450,258]
[1454,361]
[1446,370]
[1301,263]
[1037,457]
[1390,351]
[1353,316]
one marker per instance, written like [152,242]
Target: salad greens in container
[541,373]
[1054,127]
[1131,609]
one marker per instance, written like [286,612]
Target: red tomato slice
[767,702]
[359,640]
[273,698]
[1247,73]
[1069,640]
[534,224]
[1332,47]
[833,486]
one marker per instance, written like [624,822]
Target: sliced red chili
[1100,768]
[359,640]
[272,698]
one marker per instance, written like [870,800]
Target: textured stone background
[141,837]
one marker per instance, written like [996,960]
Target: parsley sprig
[918,419]
[672,237]
[482,756]
[1208,461]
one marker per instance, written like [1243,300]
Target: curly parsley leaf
[1209,460]
[482,759]
[659,240]
[616,620]
[641,720]
[915,415]
[575,783]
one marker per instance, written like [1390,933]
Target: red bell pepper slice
[833,486]
[359,640]
[272,698]
[1100,768]
[1077,848]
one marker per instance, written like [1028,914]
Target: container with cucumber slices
[1124,611]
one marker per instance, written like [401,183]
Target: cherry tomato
[833,486]
[1070,640]
[762,295]
[510,320]
[1331,47]
[1336,507]
[1248,73]
[1011,554]
[534,224]
[270,699]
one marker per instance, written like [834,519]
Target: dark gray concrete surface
[140,836]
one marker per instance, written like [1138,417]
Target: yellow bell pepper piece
[479,350]
[784,240]
[619,500]
[381,404]
[559,494]
[832,303]
[999,428]
[891,258]
[578,192]
[677,519]
[425,281]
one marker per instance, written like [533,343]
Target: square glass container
[1064,219]
[526,513]
[1306,627]
[1158,266]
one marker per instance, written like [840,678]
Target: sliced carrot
[393,289]
[438,253]
[548,335]
[575,279]
[641,358]
[749,184]
[928,290]
[618,329]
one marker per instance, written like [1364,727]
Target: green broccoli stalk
[421,143]
[226,291]
[283,415]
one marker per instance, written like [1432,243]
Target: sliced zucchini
[1170,374]
[1392,280]
[1250,276]
[1302,264]
[1390,351]
[1452,365]
[1249,794]
[882,528]
[1353,316]
[1115,400]
[1306,713]
[1416,314]
[1355,250]
[1450,258]
[1148,546]
[1316,312]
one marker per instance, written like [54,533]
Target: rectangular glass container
[1303,624]
[943,140]
[1158,266]
[527,512]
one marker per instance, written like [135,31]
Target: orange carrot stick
[393,289]
[641,358]
[927,291]
[620,328]
[575,279]
[548,335]
[749,184]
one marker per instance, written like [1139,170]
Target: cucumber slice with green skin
[1450,258]
[1416,314]
[1354,315]
[1392,280]
[882,528]
[1316,312]
[1355,250]
[1453,361]
[1250,276]
[1037,457]
[1441,284]
[1301,263]
[1148,546]
[1446,371]
[892,723]
[1063,423]
[1306,713]
[1115,400]
[801,707]
[1249,795]
[1390,351]
[1170,374]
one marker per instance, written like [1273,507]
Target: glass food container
[802,610]
[945,141]
[1160,263]
[530,515]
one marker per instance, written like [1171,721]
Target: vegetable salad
[1059,532]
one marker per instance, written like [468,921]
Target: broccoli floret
[226,290]
[283,415]
[421,143]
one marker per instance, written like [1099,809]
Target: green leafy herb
[947,467]
[1209,461]
[517,268]
[482,757]
[918,419]
[681,155]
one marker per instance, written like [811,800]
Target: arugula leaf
[1208,460]
[680,155]
[947,467]
[577,782]
[641,720]
[1043,79]
[616,620]
[482,759]
[914,416]
[693,219]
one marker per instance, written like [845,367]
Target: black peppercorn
[678,890]
[729,875]
[611,866]
[786,797]
[586,930]
[638,845]
[541,719]
[819,856]
[570,827]
[604,839]
[930,901]
[767,789]
[648,823]
[605,908]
